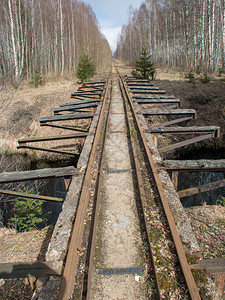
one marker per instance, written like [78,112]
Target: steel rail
[191,285]
[140,188]
[68,280]
[86,287]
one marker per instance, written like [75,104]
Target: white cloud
[111,35]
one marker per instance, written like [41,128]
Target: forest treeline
[49,36]
[179,33]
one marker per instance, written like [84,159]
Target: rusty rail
[68,279]
[193,291]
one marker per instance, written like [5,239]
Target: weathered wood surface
[211,265]
[143,88]
[147,92]
[157,101]
[127,80]
[73,107]
[30,269]
[66,117]
[79,102]
[187,130]
[153,97]
[152,112]
[202,188]
[139,84]
[64,127]
[49,150]
[185,143]
[195,165]
[180,120]
[30,196]
[87,92]
[95,83]
[7,177]
[53,138]
[88,96]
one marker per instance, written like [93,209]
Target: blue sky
[112,14]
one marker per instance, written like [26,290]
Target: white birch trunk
[15,58]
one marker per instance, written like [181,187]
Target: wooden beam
[66,117]
[64,127]
[53,138]
[89,96]
[30,196]
[90,89]
[168,112]
[176,121]
[7,177]
[101,82]
[30,269]
[187,130]
[202,188]
[216,267]
[175,176]
[49,150]
[186,142]
[211,265]
[74,107]
[217,165]
[157,101]
[89,92]
[79,102]
[143,88]
[139,84]
[147,92]
[153,97]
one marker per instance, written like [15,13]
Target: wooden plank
[100,82]
[195,165]
[186,142]
[187,130]
[53,138]
[79,102]
[147,92]
[157,101]
[211,265]
[87,92]
[29,269]
[202,188]
[74,107]
[139,84]
[66,117]
[153,97]
[64,127]
[48,150]
[143,88]
[128,80]
[85,96]
[30,196]
[7,177]
[175,176]
[167,112]
[90,89]
[176,121]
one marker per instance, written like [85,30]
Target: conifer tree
[86,68]
[144,68]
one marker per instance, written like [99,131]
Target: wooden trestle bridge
[148,114]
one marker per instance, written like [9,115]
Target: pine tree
[144,68]
[86,68]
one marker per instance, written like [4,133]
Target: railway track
[124,242]
[134,249]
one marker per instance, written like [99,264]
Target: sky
[112,14]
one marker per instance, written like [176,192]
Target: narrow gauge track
[135,251]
